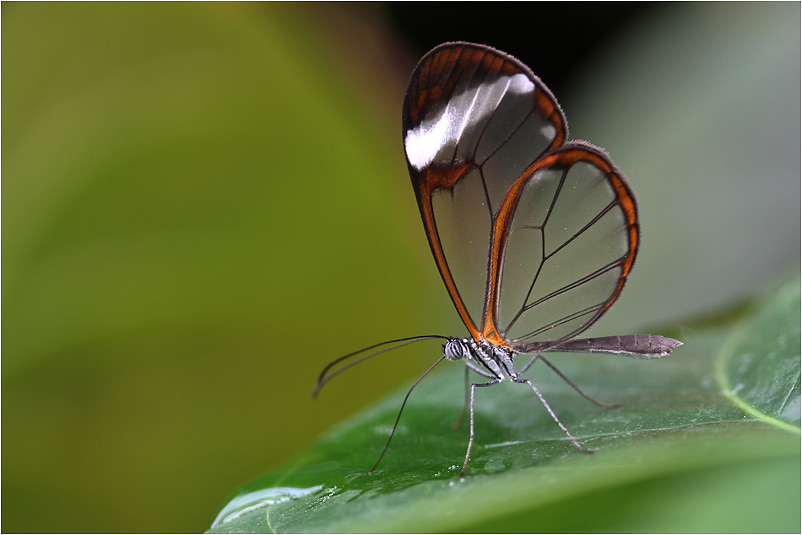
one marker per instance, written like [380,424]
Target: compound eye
[454,350]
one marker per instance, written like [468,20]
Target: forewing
[565,240]
[474,119]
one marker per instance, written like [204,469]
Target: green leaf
[676,441]
[760,368]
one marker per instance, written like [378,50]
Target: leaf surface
[676,439]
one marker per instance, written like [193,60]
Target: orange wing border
[563,157]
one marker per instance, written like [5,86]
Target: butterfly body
[483,357]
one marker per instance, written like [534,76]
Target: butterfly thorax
[483,357]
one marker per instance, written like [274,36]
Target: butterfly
[534,236]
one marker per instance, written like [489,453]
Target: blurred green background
[205,203]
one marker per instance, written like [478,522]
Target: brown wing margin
[437,74]
[425,183]
[562,158]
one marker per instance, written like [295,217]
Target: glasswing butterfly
[534,236]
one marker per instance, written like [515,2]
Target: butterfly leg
[529,364]
[469,366]
[461,418]
[575,387]
[551,413]
[401,410]
[470,438]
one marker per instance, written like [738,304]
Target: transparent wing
[474,119]
[565,239]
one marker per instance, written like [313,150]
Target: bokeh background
[205,203]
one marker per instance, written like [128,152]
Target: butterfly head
[455,349]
